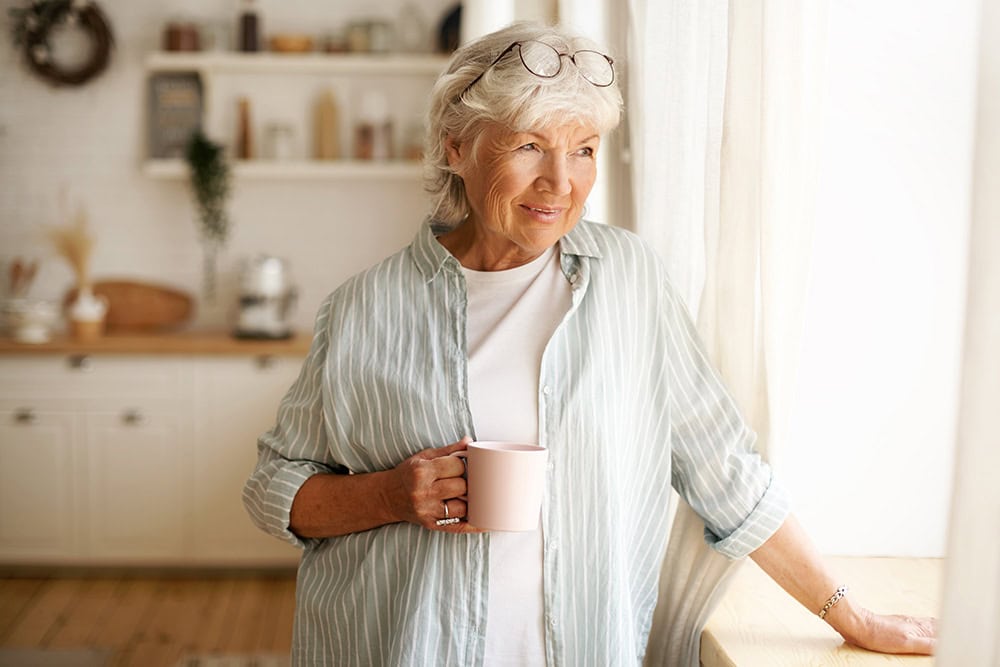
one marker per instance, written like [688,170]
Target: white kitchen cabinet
[92,439]
[39,512]
[236,400]
[134,460]
[137,497]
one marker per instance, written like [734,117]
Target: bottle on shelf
[244,131]
[373,132]
[413,141]
[327,128]
[249,27]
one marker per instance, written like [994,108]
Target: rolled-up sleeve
[296,448]
[715,466]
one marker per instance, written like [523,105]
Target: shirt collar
[430,256]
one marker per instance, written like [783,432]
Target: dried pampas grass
[75,244]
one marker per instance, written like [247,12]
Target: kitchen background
[62,149]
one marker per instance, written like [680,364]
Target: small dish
[291,43]
[30,320]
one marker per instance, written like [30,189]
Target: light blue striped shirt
[627,402]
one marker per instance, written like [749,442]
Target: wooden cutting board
[141,306]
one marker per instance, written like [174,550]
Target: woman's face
[526,189]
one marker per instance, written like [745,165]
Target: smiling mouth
[544,211]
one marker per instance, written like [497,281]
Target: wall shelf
[215,70]
[172,169]
[303,63]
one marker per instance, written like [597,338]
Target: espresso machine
[266,299]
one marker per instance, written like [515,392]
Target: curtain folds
[676,69]
[971,610]
[724,103]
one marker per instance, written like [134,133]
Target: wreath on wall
[33,27]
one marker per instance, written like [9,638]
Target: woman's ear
[454,152]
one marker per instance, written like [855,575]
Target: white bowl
[30,320]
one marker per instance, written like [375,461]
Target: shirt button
[552,622]
[550,466]
[547,390]
[553,545]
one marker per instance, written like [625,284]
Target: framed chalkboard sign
[175,112]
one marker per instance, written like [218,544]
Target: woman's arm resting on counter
[329,505]
[790,558]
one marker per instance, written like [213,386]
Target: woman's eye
[528,147]
[586,151]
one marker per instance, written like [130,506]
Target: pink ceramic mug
[506,483]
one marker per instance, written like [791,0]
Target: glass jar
[279,141]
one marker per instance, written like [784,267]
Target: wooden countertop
[182,343]
[758,624]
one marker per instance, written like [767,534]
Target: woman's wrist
[849,619]
[391,492]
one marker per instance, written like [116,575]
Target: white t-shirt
[511,316]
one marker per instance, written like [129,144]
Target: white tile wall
[63,148]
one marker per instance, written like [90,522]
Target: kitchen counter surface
[183,343]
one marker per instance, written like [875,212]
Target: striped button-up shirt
[628,406]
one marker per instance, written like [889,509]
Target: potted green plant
[210,185]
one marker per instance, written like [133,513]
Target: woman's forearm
[790,558]
[329,505]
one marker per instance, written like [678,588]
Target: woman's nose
[555,176]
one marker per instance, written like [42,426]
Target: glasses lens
[540,59]
[595,67]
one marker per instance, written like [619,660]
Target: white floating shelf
[305,63]
[297,170]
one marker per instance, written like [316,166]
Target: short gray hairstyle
[509,95]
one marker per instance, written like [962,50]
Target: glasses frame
[560,54]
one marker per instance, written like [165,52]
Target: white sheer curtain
[724,112]
[971,613]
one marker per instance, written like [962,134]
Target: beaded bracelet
[834,599]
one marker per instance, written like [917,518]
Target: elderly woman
[510,318]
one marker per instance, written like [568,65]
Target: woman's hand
[893,633]
[426,481]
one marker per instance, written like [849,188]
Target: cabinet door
[38,508]
[136,483]
[237,400]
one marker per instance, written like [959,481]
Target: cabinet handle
[81,362]
[265,361]
[132,417]
[25,416]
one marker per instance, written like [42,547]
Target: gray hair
[510,96]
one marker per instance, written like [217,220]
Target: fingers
[900,634]
[922,635]
[452,520]
[458,508]
[922,645]
[460,528]
[447,450]
[432,478]
[442,461]
[451,487]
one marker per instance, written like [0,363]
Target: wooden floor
[149,621]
